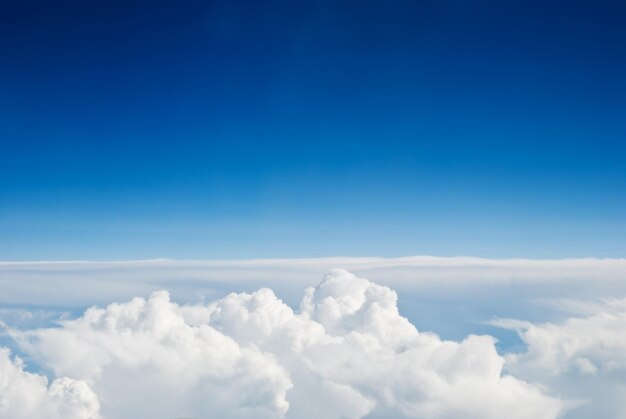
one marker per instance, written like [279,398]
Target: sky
[226,129]
[305,209]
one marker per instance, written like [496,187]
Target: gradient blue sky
[184,129]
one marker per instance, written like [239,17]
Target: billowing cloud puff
[347,353]
[144,360]
[586,345]
[27,395]
[583,357]
[368,347]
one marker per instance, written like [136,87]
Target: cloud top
[347,352]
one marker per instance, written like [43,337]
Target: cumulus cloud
[346,353]
[586,345]
[28,396]
[584,357]
[144,360]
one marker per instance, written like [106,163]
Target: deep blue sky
[140,129]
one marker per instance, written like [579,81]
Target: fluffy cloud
[27,395]
[583,357]
[587,345]
[347,352]
[144,360]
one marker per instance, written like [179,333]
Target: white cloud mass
[583,357]
[346,353]
[26,395]
[586,345]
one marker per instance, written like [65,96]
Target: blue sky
[312,128]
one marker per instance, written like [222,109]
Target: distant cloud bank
[46,283]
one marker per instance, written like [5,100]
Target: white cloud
[587,345]
[346,353]
[28,396]
[144,360]
[583,357]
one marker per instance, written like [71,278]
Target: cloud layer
[347,352]
[44,283]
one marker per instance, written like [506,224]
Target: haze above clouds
[448,295]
